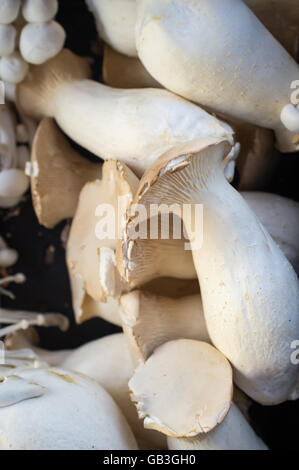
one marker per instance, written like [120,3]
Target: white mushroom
[172,389]
[13,183]
[57,173]
[40,42]
[234,433]
[39,11]
[22,320]
[226,61]
[113,123]
[9,10]
[115,21]
[121,71]
[8,257]
[83,417]
[249,290]
[7,39]
[149,321]
[107,360]
[13,68]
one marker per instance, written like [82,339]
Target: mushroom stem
[247,75]
[113,123]
[249,290]
[234,433]
[21,320]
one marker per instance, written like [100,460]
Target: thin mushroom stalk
[21,320]
[113,123]
[227,61]
[249,290]
[18,278]
[234,433]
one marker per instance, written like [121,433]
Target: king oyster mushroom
[113,123]
[249,290]
[84,415]
[226,61]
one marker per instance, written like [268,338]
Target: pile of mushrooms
[28,35]
[197,100]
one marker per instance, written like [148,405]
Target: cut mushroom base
[236,77]
[172,389]
[113,123]
[58,174]
[249,290]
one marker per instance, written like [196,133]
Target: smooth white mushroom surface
[7,39]
[115,21]
[225,60]
[41,41]
[9,10]
[13,68]
[47,409]
[39,11]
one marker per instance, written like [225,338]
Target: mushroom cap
[70,411]
[13,183]
[7,39]
[9,10]
[108,361]
[121,71]
[58,173]
[90,253]
[39,11]
[13,68]
[8,257]
[40,42]
[172,389]
[157,184]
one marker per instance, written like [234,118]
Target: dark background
[47,287]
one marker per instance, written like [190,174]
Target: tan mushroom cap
[90,257]
[258,158]
[150,320]
[184,389]
[121,71]
[58,173]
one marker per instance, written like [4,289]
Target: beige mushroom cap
[58,173]
[90,253]
[121,71]
[9,10]
[38,11]
[183,389]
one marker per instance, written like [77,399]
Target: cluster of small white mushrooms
[193,89]
[28,35]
